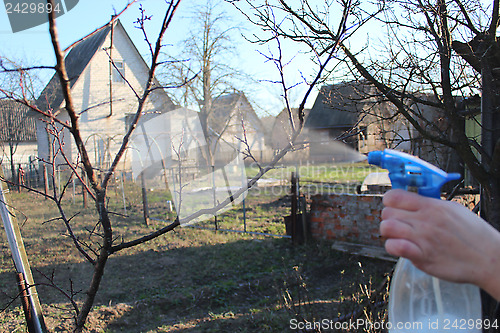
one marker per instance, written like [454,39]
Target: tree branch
[147,90]
[66,90]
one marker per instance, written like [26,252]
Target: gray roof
[222,111]
[76,61]
[281,131]
[15,124]
[339,105]
[283,119]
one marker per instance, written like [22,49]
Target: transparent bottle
[419,302]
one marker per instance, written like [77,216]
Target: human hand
[442,238]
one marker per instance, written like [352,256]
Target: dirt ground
[189,280]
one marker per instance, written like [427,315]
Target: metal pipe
[21,261]
[25,301]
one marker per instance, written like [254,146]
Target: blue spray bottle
[419,302]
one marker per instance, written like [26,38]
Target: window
[118,67]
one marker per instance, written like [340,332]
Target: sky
[33,46]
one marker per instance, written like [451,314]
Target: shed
[17,134]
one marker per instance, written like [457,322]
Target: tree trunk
[13,174]
[100,262]
[490,142]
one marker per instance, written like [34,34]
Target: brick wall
[348,218]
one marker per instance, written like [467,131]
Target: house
[105,71]
[232,121]
[347,112]
[282,131]
[335,112]
[267,122]
[166,141]
[171,148]
[17,135]
[470,109]
[357,114]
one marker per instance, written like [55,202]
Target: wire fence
[23,173]
[267,208]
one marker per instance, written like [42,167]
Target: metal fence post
[293,219]
[145,206]
[45,181]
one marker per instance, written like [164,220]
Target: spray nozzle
[407,170]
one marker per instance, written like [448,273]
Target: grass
[189,280]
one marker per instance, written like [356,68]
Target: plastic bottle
[419,302]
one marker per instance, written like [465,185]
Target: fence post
[73,197]
[45,181]
[144,199]
[303,206]
[122,175]
[58,168]
[293,216]
[84,190]
[243,183]
[29,173]
[215,196]
[19,177]
[244,216]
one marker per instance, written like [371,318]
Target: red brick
[317,219]
[325,214]
[330,234]
[354,217]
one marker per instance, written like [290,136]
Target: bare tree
[17,127]
[14,116]
[103,244]
[420,66]
[203,62]
[433,54]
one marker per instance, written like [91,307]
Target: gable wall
[255,136]
[102,130]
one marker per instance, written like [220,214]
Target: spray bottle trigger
[398,181]
[435,191]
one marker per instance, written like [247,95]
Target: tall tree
[416,63]
[434,53]
[203,63]
[104,244]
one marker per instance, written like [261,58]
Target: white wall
[101,130]
[25,152]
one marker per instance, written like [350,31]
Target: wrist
[489,276]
